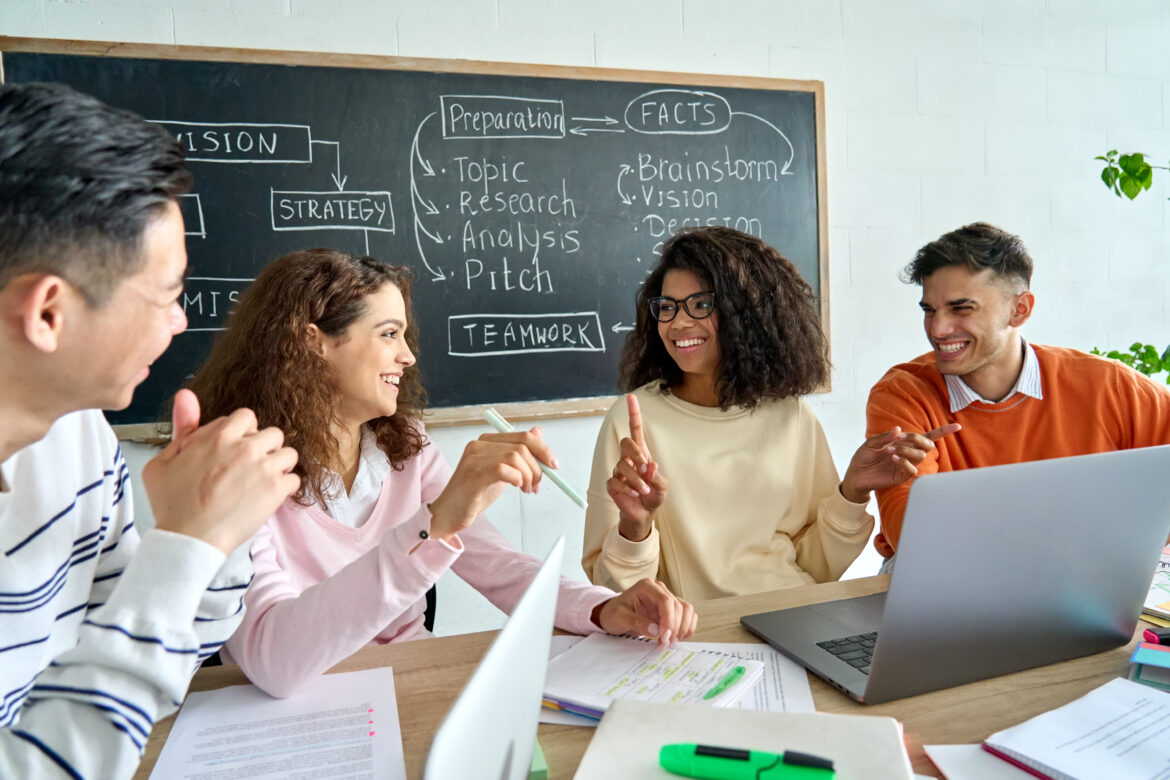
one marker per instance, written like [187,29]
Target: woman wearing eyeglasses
[713,475]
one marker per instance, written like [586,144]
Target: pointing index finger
[636,431]
[945,430]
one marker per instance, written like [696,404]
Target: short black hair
[771,343]
[79,183]
[979,246]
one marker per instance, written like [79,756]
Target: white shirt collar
[356,506]
[1028,383]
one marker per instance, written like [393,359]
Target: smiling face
[118,340]
[692,343]
[972,321]
[370,357]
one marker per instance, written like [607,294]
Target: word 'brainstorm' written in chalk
[480,335]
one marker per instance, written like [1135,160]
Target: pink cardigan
[323,590]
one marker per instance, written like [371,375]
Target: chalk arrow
[618,327]
[437,239]
[426,166]
[587,130]
[624,170]
[608,120]
[338,179]
[791,151]
[426,204]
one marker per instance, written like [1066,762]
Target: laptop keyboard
[857,651]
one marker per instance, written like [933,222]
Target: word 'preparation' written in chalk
[495,116]
[477,335]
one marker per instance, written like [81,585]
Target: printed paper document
[345,725]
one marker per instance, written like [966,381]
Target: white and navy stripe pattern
[96,642]
[961,396]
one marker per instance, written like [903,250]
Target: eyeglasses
[699,306]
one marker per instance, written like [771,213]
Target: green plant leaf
[1130,187]
[1133,163]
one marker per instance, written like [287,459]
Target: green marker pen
[728,680]
[720,763]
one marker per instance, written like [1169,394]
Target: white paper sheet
[784,688]
[558,717]
[785,685]
[344,723]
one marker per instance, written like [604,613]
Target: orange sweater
[1091,404]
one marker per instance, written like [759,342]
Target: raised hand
[489,464]
[219,482]
[637,486]
[889,459]
[647,608]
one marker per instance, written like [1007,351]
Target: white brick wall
[939,112]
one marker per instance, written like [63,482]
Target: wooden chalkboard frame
[463,415]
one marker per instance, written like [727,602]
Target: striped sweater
[100,629]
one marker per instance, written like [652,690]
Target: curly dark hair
[264,361]
[771,343]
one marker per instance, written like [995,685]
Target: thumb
[184,419]
[640,625]
[882,439]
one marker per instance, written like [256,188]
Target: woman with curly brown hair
[727,341]
[322,345]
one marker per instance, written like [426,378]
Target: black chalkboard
[529,205]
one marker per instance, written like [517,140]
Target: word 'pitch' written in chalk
[479,335]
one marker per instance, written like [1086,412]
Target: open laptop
[490,730]
[998,569]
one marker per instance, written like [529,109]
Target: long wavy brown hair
[771,344]
[265,360]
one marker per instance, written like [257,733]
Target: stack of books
[1157,606]
[1151,665]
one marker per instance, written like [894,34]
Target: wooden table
[428,674]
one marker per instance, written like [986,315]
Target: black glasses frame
[655,305]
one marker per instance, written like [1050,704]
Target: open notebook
[600,668]
[1121,729]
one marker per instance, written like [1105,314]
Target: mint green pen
[497,421]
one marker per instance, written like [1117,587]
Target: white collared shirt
[356,506]
[1028,383]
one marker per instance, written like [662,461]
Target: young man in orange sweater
[1015,401]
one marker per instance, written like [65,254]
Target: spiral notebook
[600,668]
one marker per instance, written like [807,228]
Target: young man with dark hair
[1015,401]
[101,628]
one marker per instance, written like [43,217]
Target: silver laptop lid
[1009,567]
[491,728]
